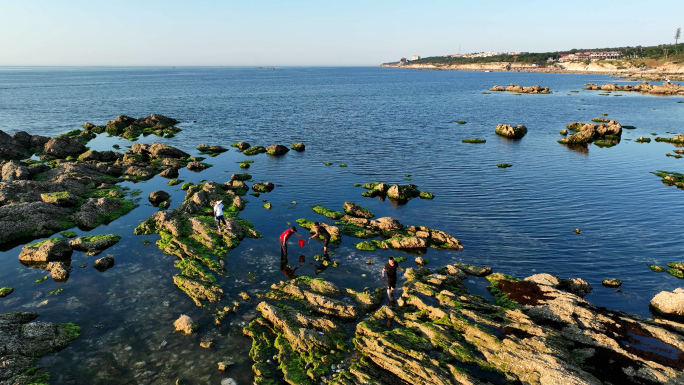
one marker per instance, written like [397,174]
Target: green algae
[254,150]
[656,268]
[643,140]
[105,237]
[676,273]
[57,291]
[187,185]
[426,195]
[461,122]
[5,291]
[474,140]
[174,182]
[351,230]
[68,234]
[604,143]
[268,206]
[343,165]
[327,163]
[365,246]
[504,165]
[41,279]
[332,214]
[676,265]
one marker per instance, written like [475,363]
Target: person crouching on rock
[284,237]
[218,216]
[391,270]
[321,231]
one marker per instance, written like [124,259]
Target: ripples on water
[383,123]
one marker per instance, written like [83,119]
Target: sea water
[383,124]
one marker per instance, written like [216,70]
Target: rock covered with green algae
[131,128]
[189,233]
[508,131]
[606,133]
[355,210]
[23,341]
[306,336]
[395,235]
[95,244]
[533,334]
[332,214]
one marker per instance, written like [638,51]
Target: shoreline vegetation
[307,330]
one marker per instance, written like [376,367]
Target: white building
[415,57]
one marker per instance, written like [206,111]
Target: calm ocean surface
[384,124]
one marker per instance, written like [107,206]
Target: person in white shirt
[218,216]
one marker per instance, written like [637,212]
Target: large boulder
[508,131]
[277,149]
[403,192]
[54,249]
[120,122]
[158,150]
[63,146]
[386,224]
[104,263]
[169,172]
[10,148]
[669,303]
[23,137]
[355,210]
[39,220]
[157,197]
[155,120]
[263,187]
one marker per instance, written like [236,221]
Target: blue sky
[318,33]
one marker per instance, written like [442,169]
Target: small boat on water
[486,71]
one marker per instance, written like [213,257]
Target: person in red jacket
[285,236]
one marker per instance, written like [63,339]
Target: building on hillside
[403,60]
[415,57]
[590,55]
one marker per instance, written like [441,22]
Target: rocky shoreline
[306,331]
[535,331]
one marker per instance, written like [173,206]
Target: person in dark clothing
[390,270]
[321,231]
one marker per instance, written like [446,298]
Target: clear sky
[315,33]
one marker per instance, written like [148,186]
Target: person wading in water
[284,237]
[321,231]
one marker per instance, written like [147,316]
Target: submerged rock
[298,147]
[263,187]
[23,341]
[185,324]
[104,263]
[94,244]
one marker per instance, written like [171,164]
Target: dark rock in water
[22,342]
[277,149]
[40,219]
[104,263]
[508,131]
[263,187]
[211,150]
[197,166]
[403,192]
[169,172]
[355,210]
[156,197]
[120,122]
[613,282]
[576,286]
[95,244]
[54,249]
[244,176]
[10,148]
[59,271]
[62,147]
[24,138]
[298,147]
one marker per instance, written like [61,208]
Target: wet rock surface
[104,263]
[54,249]
[440,333]
[23,340]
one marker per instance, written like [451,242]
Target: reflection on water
[383,124]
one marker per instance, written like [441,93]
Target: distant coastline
[670,70]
